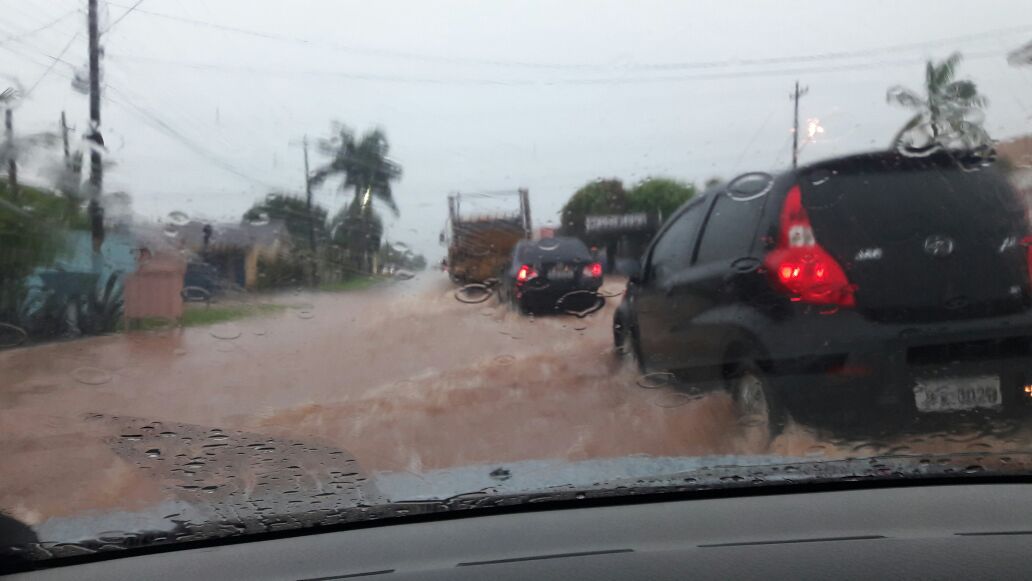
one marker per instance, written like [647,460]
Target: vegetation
[948,113]
[32,223]
[293,211]
[364,165]
[350,284]
[661,196]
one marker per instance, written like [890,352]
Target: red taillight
[801,266]
[525,273]
[593,270]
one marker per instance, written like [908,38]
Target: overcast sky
[206,101]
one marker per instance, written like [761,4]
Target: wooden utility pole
[12,166]
[64,141]
[795,122]
[311,216]
[308,198]
[95,211]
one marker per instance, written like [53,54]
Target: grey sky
[490,95]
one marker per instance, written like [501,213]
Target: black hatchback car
[876,279]
[551,274]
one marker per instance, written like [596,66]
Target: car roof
[548,249]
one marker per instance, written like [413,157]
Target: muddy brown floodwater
[403,377]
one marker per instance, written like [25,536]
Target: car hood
[225,485]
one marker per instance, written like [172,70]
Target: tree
[366,167]
[602,196]
[662,196]
[293,211]
[949,111]
[359,231]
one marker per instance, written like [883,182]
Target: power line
[53,62]
[155,121]
[18,37]
[388,53]
[502,82]
[124,14]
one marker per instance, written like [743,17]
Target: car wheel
[757,406]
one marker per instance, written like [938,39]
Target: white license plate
[957,393]
[560,275]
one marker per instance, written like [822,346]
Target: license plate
[557,274]
[957,393]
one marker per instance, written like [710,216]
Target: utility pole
[308,197]
[95,211]
[308,207]
[795,122]
[64,141]
[12,166]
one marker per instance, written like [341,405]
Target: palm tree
[366,167]
[950,110]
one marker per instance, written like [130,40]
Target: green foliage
[366,167]
[293,211]
[659,195]
[603,196]
[652,195]
[283,270]
[31,223]
[350,284]
[56,314]
[210,315]
[401,257]
[948,112]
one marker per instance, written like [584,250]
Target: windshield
[270,265]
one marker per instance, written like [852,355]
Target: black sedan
[551,274]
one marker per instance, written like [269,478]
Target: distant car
[550,274]
[876,279]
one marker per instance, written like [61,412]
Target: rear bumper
[844,359]
[549,297]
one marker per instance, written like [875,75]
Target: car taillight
[525,273]
[593,270]
[800,266]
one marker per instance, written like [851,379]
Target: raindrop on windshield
[178,218]
[225,331]
[260,219]
[674,399]
[153,453]
[504,360]
[656,380]
[12,335]
[91,375]
[750,186]
[473,293]
[548,244]
[501,474]
[170,231]
[820,176]
[580,303]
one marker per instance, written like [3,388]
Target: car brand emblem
[938,245]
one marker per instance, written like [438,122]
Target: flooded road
[403,378]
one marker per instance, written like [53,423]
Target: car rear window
[552,250]
[850,202]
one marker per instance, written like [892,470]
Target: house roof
[242,235]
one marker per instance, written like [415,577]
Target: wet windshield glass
[269,265]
